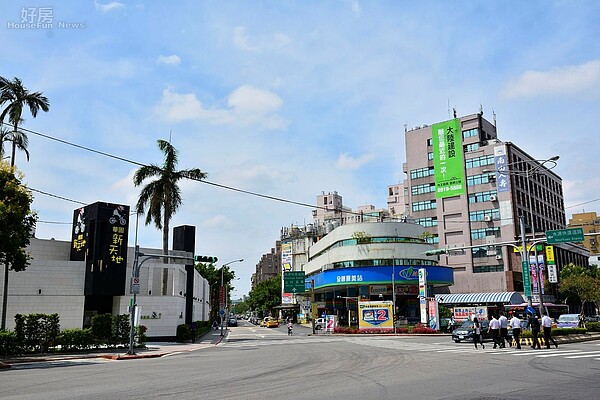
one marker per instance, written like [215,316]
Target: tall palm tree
[21,141]
[17,98]
[162,196]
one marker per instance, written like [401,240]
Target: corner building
[501,183]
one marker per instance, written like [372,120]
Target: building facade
[55,284]
[500,186]
[590,222]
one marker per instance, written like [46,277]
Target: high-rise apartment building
[477,199]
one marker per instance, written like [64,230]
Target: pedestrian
[504,330]
[494,328]
[581,320]
[534,323]
[515,323]
[477,337]
[451,324]
[547,325]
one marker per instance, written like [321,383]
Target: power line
[56,196]
[274,198]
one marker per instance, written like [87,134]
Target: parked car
[568,321]
[465,331]
[319,323]
[232,321]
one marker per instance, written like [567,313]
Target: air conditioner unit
[493,197]
[498,256]
[487,218]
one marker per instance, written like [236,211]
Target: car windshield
[569,318]
[467,324]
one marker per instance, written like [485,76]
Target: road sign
[135,285]
[526,278]
[294,282]
[564,235]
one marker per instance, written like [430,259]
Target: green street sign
[526,278]
[293,282]
[564,236]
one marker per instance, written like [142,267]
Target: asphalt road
[261,363]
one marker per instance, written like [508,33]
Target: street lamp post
[222,294]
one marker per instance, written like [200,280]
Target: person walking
[504,330]
[534,323]
[494,328]
[515,323]
[547,325]
[477,337]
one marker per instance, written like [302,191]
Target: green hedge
[9,344]
[556,332]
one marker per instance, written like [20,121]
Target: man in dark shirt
[534,323]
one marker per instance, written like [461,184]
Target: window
[481,197]
[430,155]
[429,142]
[432,221]
[480,215]
[471,147]
[487,268]
[484,232]
[470,133]
[480,179]
[424,205]
[421,189]
[421,172]
[479,161]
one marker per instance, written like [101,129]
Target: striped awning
[480,298]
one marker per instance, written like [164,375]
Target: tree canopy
[581,284]
[16,219]
[266,295]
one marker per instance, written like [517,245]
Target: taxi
[271,323]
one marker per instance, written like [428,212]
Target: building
[590,222]
[470,191]
[268,266]
[363,255]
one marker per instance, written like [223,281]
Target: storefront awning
[480,298]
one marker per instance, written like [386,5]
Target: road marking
[591,354]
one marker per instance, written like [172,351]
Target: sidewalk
[152,350]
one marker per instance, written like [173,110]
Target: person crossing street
[547,326]
[515,323]
[503,331]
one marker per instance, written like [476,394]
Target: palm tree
[162,196]
[20,140]
[18,98]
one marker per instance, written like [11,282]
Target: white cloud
[105,8]
[356,7]
[247,106]
[566,80]
[169,60]
[346,161]
[218,221]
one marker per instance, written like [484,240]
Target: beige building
[590,222]
[488,211]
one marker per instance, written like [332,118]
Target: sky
[288,99]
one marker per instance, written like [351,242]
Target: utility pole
[312,304]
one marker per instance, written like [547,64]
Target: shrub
[37,332]
[102,329]
[184,333]
[76,339]
[420,328]
[345,330]
[9,344]
[121,329]
[593,326]
[140,335]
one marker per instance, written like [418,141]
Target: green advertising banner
[448,159]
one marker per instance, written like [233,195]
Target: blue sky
[291,98]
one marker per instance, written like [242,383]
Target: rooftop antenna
[454,112]
[449,115]
[494,113]
[405,128]
[481,108]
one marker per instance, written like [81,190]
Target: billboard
[501,164]
[375,314]
[100,237]
[448,159]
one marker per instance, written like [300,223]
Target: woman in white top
[477,333]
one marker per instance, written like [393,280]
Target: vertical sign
[422,282]
[552,270]
[533,269]
[78,235]
[433,314]
[448,159]
[541,268]
[286,266]
[502,183]
[526,278]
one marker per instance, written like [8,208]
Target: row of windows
[381,262]
[487,268]
[421,172]
[481,214]
[482,197]
[479,161]
[481,252]
[368,240]
[432,221]
[424,205]
[420,189]
[480,179]
[484,232]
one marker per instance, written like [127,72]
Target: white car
[319,323]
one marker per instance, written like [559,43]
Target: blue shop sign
[403,275]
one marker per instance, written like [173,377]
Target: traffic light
[435,252]
[206,259]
